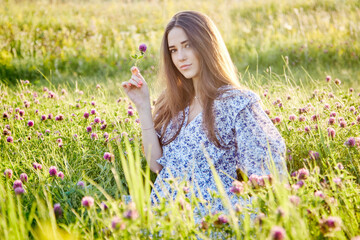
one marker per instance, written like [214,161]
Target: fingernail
[140,82]
[139,85]
[129,84]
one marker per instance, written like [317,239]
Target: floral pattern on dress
[248,135]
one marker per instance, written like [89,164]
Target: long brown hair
[216,70]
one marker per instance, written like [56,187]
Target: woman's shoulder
[231,95]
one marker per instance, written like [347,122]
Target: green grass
[70,40]
[77,45]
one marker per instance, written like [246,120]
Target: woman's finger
[138,79]
[132,82]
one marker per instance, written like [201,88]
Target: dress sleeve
[259,143]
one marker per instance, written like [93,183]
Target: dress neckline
[187,110]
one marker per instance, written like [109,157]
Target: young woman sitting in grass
[202,114]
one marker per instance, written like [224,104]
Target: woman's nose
[181,55]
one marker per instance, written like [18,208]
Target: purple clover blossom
[97,120]
[53,171]
[142,47]
[331,120]
[19,191]
[314,155]
[93,103]
[24,177]
[87,201]
[331,132]
[351,142]
[94,136]
[237,188]
[319,194]
[89,129]
[21,113]
[43,117]
[61,175]
[103,126]
[292,117]
[116,223]
[130,112]
[50,116]
[108,156]
[80,184]
[106,135]
[294,200]
[86,115]
[10,139]
[93,111]
[222,219]
[343,124]
[104,206]
[8,173]
[17,184]
[278,233]
[330,224]
[37,166]
[57,209]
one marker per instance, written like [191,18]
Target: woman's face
[183,54]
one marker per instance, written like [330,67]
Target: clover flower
[94,136]
[19,191]
[53,171]
[330,224]
[87,201]
[116,223]
[8,173]
[61,175]
[17,183]
[43,117]
[142,48]
[37,166]
[108,156]
[80,184]
[237,188]
[93,111]
[294,200]
[331,132]
[57,209]
[292,117]
[23,177]
[89,129]
[10,139]
[222,219]
[277,233]
[331,120]
[104,206]
[319,194]
[131,213]
[328,78]
[314,155]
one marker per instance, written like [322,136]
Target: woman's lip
[184,67]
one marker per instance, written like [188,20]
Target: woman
[202,111]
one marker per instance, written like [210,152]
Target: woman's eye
[187,45]
[172,50]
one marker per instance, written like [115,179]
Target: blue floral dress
[246,130]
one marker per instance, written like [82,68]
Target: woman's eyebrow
[185,41]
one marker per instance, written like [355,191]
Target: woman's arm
[138,92]
[150,140]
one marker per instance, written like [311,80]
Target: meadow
[71,140]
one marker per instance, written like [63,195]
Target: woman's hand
[137,89]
